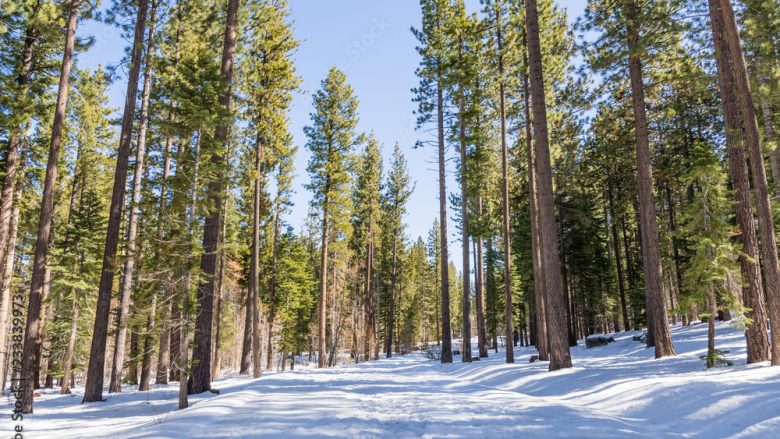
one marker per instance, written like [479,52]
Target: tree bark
[758,349]
[480,294]
[201,354]
[391,305]
[246,345]
[766,225]
[618,262]
[323,314]
[446,331]
[555,300]
[274,279]
[464,207]
[5,292]
[32,329]
[658,322]
[126,286]
[254,260]
[93,391]
[540,323]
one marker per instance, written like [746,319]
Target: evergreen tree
[331,138]
[365,237]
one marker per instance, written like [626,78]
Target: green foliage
[707,227]
[297,292]
[717,358]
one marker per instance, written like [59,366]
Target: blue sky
[371,42]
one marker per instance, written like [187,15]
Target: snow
[612,391]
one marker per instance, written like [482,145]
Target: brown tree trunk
[68,361]
[146,360]
[201,354]
[5,292]
[391,305]
[555,300]
[32,330]
[446,331]
[713,311]
[370,334]
[675,249]
[246,345]
[480,294]
[323,312]
[274,279]
[618,262]
[183,354]
[216,361]
[254,261]
[758,349]
[508,324]
[464,207]
[651,258]
[93,391]
[540,324]
[126,286]
[753,143]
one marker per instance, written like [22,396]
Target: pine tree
[32,334]
[398,189]
[430,96]
[331,138]
[555,298]
[201,354]
[707,226]
[758,348]
[365,238]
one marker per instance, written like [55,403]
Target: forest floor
[613,391]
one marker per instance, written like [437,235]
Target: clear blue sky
[371,42]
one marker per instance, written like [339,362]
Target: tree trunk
[323,314]
[32,330]
[183,354]
[216,362]
[713,311]
[254,261]
[480,295]
[555,300]
[618,262]
[5,292]
[201,354]
[272,290]
[675,249]
[540,324]
[94,388]
[446,332]
[753,144]
[370,334]
[658,322]
[758,349]
[126,286]
[164,351]
[146,361]
[68,361]
[391,305]
[246,345]
[464,207]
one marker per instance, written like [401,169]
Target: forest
[603,174]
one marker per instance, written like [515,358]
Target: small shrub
[718,358]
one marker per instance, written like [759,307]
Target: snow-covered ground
[613,391]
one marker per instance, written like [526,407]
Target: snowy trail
[613,391]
